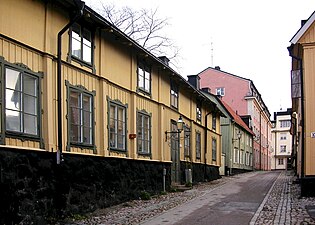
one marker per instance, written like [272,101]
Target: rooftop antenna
[211,53]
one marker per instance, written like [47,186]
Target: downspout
[260,136]
[206,141]
[79,7]
[290,49]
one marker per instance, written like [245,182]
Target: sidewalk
[282,205]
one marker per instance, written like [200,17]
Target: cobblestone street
[282,204]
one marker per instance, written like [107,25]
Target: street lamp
[239,136]
[180,127]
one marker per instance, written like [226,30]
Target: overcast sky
[249,38]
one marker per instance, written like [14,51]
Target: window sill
[144,154]
[82,62]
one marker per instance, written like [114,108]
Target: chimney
[217,68]
[303,22]
[194,80]
[206,90]
[164,60]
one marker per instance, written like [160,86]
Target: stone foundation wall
[200,172]
[34,189]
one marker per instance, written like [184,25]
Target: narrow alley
[250,198]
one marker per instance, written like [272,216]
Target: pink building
[242,95]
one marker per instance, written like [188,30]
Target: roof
[303,29]
[237,118]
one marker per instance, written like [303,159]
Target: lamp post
[180,127]
[239,136]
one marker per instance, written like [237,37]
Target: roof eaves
[303,29]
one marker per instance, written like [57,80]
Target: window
[283,136]
[214,122]
[198,145]
[80,116]
[186,141]
[144,133]
[220,91]
[198,110]
[81,44]
[174,94]
[280,161]
[283,148]
[242,157]
[235,155]
[117,126]
[285,123]
[214,149]
[144,78]
[22,102]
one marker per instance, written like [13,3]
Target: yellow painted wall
[309,74]
[115,78]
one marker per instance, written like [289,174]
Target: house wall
[235,88]
[309,71]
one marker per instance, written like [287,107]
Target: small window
[198,110]
[144,133]
[198,145]
[214,149]
[283,148]
[174,94]
[235,155]
[144,78]
[285,123]
[81,44]
[214,122]
[280,162]
[220,91]
[80,116]
[187,141]
[117,126]
[283,136]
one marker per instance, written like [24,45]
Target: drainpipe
[291,54]
[79,12]
[206,140]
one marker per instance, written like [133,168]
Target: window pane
[112,140]
[76,45]
[141,82]
[29,85]
[74,99]
[30,104]
[13,80]
[87,136]
[87,116]
[74,133]
[30,124]
[75,116]
[121,143]
[87,102]
[13,120]
[147,85]
[13,100]
[87,53]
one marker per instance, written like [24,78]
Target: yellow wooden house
[302,52]
[83,105]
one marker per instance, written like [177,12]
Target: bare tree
[143,26]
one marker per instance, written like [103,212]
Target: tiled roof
[237,118]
